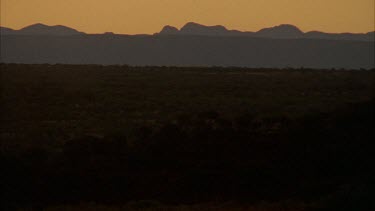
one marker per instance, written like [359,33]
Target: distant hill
[339,36]
[192,45]
[283,31]
[6,31]
[198,29]
[41,29]
[169,30]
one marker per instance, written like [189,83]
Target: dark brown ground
[107,137]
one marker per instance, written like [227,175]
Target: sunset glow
[149,16]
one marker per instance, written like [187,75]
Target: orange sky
[149,16]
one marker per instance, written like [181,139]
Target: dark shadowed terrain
[187,51]
[86,137]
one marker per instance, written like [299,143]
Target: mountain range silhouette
[283,31]
[192,45]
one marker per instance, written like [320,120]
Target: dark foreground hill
[189,50]
[113,135]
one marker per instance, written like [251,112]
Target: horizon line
[179,28]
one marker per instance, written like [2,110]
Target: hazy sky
[149,16]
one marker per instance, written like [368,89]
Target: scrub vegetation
[90,137]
